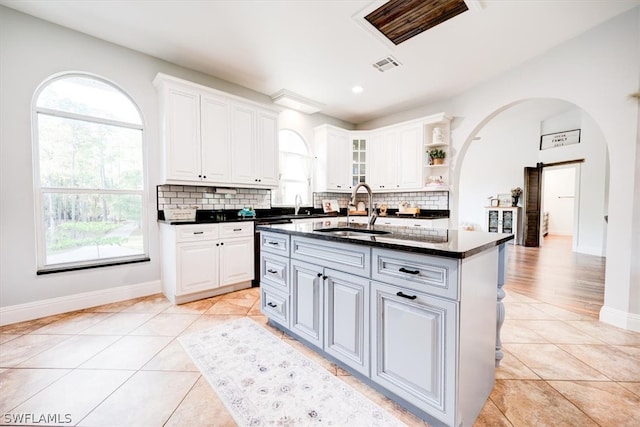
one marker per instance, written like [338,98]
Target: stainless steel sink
[348,231]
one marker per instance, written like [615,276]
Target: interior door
[532,201]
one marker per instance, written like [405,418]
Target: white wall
[31,50]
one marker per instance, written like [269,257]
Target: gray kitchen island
[414,313]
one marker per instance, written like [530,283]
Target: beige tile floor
[120,364]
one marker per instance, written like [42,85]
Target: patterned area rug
[263,381]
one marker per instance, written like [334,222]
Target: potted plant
[515,195]
[437,156]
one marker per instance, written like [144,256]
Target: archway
[495,153]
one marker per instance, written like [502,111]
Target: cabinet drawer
[274,305]
[427,223]
[423,273]
[390,221]
[274,270]
[236,229]
[345,257]
[196,233]
[275,243]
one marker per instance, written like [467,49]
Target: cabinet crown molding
[162,78]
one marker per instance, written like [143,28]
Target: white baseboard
[590,250]
[621,319]
[49,307]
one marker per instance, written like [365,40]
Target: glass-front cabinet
[503,220]
[359,160]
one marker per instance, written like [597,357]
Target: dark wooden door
[532,201]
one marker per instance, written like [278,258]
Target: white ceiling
[319,50]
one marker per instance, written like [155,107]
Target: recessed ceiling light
[357,89]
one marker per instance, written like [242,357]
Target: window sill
[52,270]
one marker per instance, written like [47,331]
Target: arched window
[295,169]
[88,174]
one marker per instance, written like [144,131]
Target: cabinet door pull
[272,271]
[404,270]
[198,232]
[324,277]
[411,297]
[319,274]
[272,305]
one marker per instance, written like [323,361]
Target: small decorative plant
[515,195]
[516,192]
[437,155]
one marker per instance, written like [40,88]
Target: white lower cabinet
[346,319]
[413,350]
[203,260]
[236,260]
[330,309]
[196,270]
[307,301]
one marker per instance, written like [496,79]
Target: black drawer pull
[272,305]
[198,232]
[237,229]
[411,297]
[272,271]
[273,243]
[404,270]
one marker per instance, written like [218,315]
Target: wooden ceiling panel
[399,20]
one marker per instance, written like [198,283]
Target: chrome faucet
[372,215]
[297,202]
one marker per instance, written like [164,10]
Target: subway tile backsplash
[425,200]
[206,198]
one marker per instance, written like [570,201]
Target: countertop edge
[394,246]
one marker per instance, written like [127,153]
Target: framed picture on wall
[559,139]
[504,200]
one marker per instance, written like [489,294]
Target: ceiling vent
[386,64]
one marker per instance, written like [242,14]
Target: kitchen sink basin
[348,231]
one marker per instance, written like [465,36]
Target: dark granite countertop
[278,215]
[440,242]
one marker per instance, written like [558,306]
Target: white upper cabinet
[396,156]
[181,106]
[333,159]
[396,159]
[267,150]
[409,157]
[382,161]
[243,129]
[216,138]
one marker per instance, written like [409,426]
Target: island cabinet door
[413,348]
[346,320]
[306,301]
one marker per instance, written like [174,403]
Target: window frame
[39,191]
[305,158]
